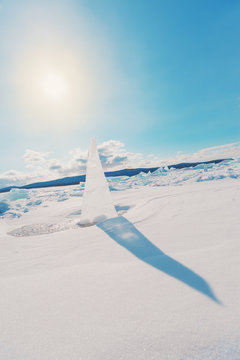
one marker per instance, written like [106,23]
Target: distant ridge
[74,180]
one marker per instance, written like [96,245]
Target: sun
[53,86]
[54,90]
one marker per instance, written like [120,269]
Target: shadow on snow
[125,234]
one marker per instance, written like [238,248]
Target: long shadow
[125,234]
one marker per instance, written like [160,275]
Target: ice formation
[20,201]
[17,194]
[97,203]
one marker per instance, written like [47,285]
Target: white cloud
[211,153]
[40,166]
[32,157]
[113,154]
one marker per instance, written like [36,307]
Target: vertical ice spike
[97,202]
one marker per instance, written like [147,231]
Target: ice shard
[97,202]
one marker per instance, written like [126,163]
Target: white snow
[161,281]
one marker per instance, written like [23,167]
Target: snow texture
[97,203]
[158,282]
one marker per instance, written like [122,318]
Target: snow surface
[161,281]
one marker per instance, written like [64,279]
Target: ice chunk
[16,194]
[97,203]
[3,207]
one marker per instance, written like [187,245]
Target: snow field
[161,281]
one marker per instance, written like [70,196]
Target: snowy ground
[161,281]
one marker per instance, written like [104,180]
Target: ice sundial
[97,204]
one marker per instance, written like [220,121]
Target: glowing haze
[55,89]
[56,71]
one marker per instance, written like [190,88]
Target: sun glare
[55,89]
[53,86]
[60,73]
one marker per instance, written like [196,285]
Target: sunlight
[54,89]
[53,86]
[60,76]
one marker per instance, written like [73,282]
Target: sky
[151,80]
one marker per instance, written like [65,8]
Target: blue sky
[159,76]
